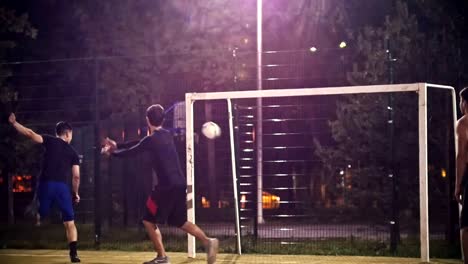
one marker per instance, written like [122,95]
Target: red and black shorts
[167,206]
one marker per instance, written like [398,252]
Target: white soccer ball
[211,130]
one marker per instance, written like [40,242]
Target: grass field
[24,236]
[121,257]
[23,244]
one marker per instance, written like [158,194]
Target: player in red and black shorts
[167,202]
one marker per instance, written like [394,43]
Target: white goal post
[420,88]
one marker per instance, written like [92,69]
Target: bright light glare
[313,49]
[342,45]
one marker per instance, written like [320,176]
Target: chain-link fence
[309,206]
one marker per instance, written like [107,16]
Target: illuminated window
[205,203]
[270,201]
[22,183]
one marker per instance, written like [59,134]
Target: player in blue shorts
[59,162]
[167,202]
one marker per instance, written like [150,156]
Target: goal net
[299,168]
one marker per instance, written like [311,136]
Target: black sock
[72,246]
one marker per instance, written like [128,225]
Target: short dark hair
[62,127]
[464,94]
[155,115]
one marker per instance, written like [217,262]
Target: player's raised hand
[111,143]
[109,146]
[12,118]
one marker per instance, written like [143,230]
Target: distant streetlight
[343,45]
[313,49]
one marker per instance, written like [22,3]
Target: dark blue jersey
[164,159]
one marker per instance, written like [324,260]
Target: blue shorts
[53,192]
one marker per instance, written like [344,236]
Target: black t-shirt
[163,154]
[59,157]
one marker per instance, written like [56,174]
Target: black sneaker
[75,259]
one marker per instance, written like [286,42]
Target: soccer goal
[418,90]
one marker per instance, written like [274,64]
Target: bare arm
[461,157]
[76,181]
[24,130]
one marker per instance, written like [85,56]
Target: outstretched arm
[142,146]
[127,144]
[24,130]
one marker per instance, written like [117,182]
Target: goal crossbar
[303,92]
[420,88]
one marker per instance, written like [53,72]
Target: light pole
[259,131]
